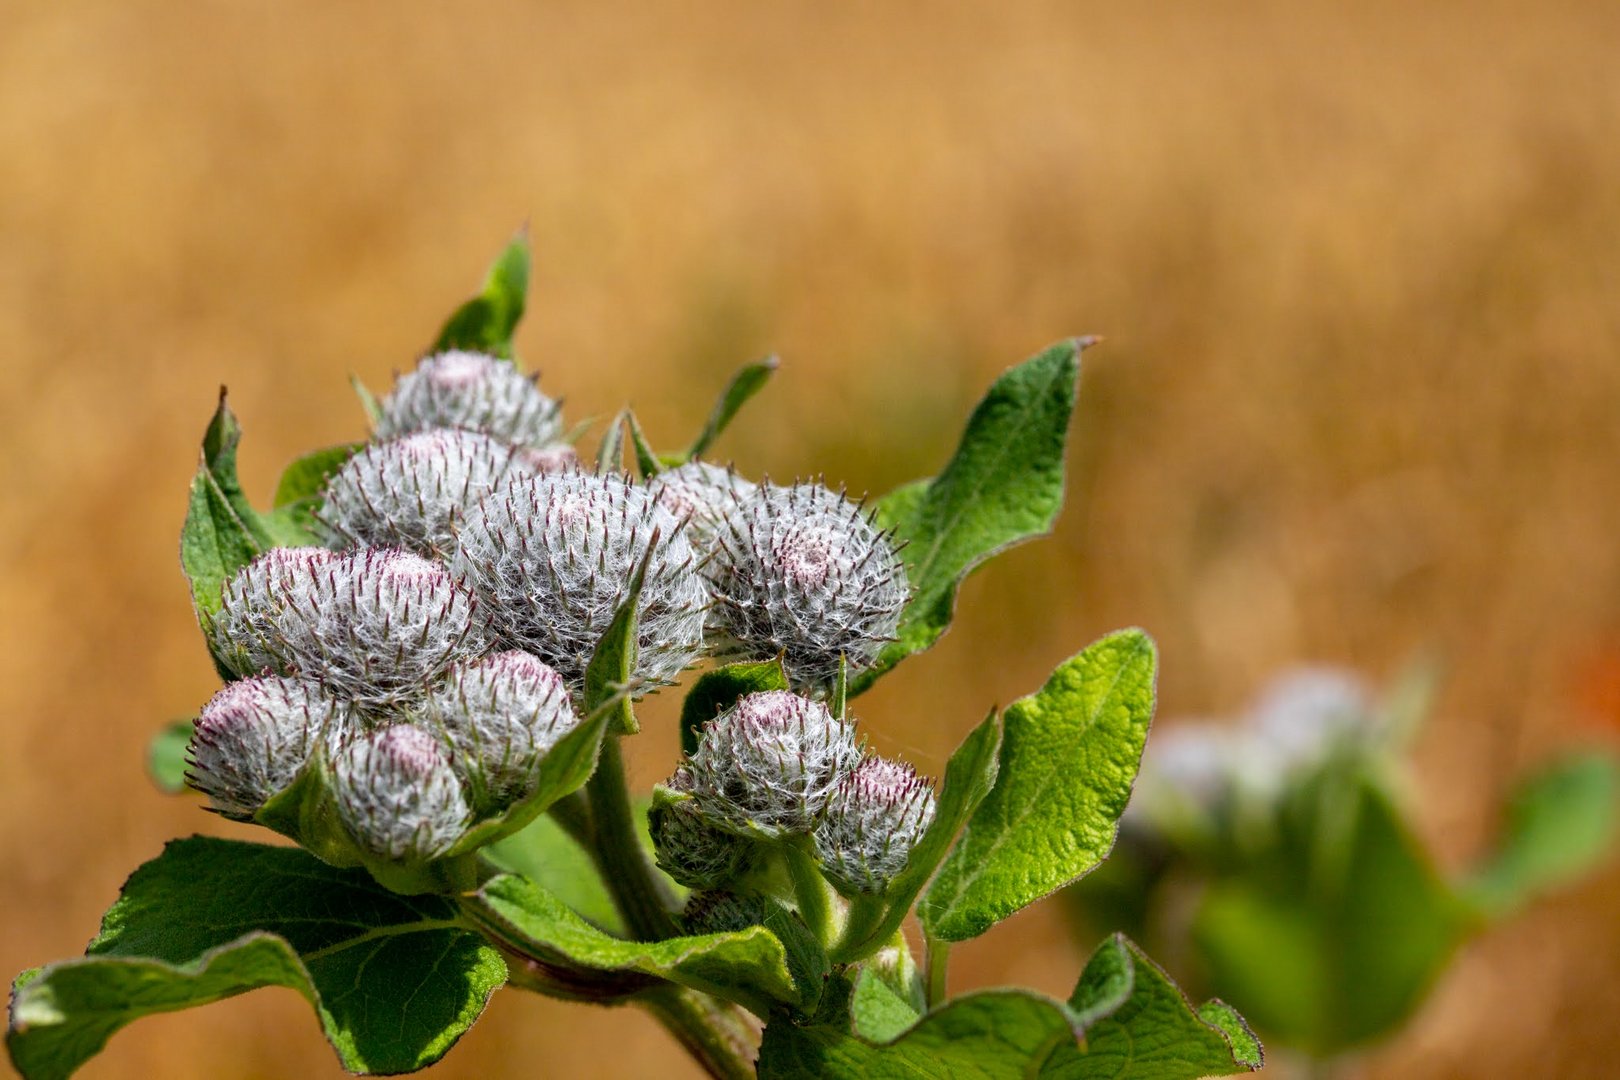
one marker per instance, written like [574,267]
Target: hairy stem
[810,891]
[640,896]
[939,954]
[719,1036]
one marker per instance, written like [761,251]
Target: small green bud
[692,850]
[715,911]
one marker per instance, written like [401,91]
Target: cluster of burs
[435,650]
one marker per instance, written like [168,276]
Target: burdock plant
[433,646]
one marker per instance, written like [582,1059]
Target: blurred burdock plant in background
[433,645]
[1275,861]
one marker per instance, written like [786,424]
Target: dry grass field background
[1359,271]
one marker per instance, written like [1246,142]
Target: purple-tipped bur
[498,716]
[253,736]
[397,795]
[374,625]
[803,572]
[473,392]
[706,497]
[412,492]
[770,762]
[552,557]
[873,821]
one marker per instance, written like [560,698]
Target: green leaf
[544,853]
[166,757]
[1004,485]
[878,1011]
[970,775]
[748,381]
[991,1035]
[219,447]
[646,458]
[1560,823]
[1068,760]
[486,322]
[748,966]
[610,452]
[306,477]
[608,675]
[718,690]
[368,400]
[1135,1024]
[1331,938]
[212,918]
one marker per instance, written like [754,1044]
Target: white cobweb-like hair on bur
[872,822]
[253,736]
[413,491]
[552,558]
[803,572]
[703,495]
[475,392]
[376,626]
[771,762]
[497,717]
[397,795]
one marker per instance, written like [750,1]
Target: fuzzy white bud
[412,492]
[253,736]
[498,716]
[374,625]
[702,495]
[873,821]
[474,392]
[552,558]
[397,795]
[803,572]
[771,762]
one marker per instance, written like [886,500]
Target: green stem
[573,813]
[810,890]
[861,926]
[719,1036]
[939,954]
[640,896]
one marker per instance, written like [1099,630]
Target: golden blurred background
[1359,268]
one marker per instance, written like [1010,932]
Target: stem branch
[719,1036]
[939,954]
[640,896]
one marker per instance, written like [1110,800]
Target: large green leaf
[1331,938]
[748,966]
[486,322]
[1068,760]
[749,380]
[1135,1024]
[300,491]
[1004,485]
[211,918]
[166,757]
[1560,823]
[969,777]
[991,1035]
[718,690]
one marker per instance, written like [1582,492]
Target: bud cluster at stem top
[777,766]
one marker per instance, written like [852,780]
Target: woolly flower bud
[716,911]
[875,818]
[397,795]
[558,457]
[771,761]
[374,625]
[412,492]
[498,716]
[694,852]
[803,572]
[702,495]
[552,558]
[252,738]
[474,392]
